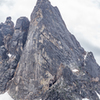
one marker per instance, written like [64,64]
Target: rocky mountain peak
[44,61]
[42,1]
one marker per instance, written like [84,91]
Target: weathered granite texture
[49,63]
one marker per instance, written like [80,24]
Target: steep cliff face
[51,64]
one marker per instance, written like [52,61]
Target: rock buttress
[13,41]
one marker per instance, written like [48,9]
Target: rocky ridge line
[13,41]
[51,64]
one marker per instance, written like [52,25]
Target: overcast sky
[82,18]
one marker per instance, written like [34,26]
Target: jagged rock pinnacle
[11,49]
[42,1]
[50,64]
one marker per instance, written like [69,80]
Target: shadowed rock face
[11,49]
[18,40]
[6,31]
[51,64]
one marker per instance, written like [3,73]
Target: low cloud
[16,9]
[6,2]
[2,2]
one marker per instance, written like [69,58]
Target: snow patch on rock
[85,99]
[9,55]
[98,94]
[85,56]
[75,70]
[5,96]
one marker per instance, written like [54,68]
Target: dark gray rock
[1,38]
[42,60]
[6,74]
[10,53]
[6,32]
[91,66]
[22,24]
[8,27]
[19,37]
[46,69]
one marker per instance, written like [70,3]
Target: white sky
[82,18]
